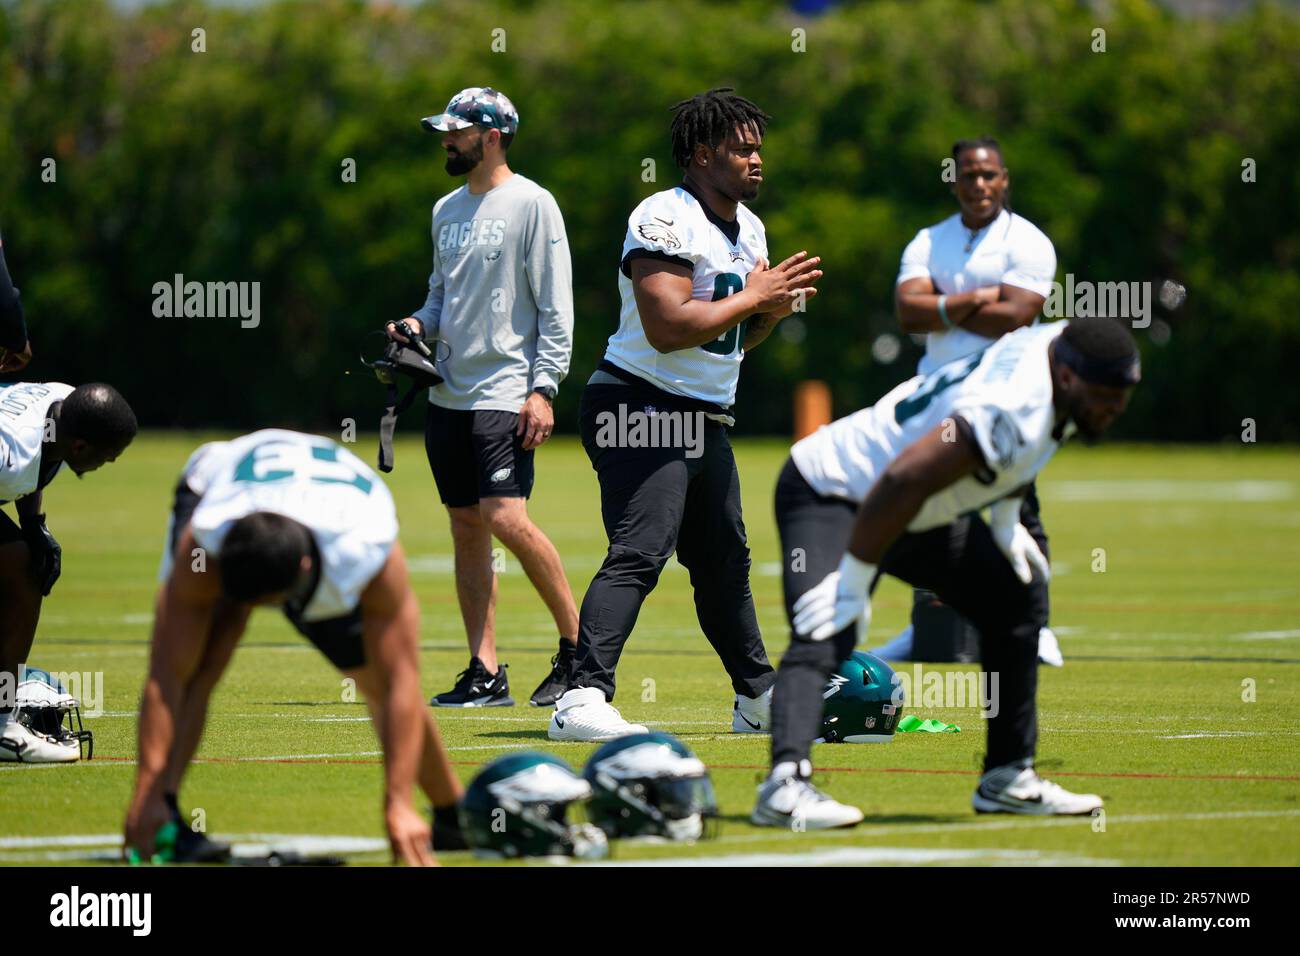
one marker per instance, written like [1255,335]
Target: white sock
[788,768]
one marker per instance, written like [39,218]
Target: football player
[278,518]
[900,484]
[963,282]
[43,426]
[697,293]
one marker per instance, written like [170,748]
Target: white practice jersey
[23,409]
[1004,393]
[312,480]
[1010,250]
[675,226]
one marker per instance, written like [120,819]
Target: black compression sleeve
[13,331]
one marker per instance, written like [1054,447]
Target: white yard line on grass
[1013,822]
[542,718]
[1187,736]
[875,856]
[105,847]
[1230,734]
[19,849]
[1265,635]
[1166,491]
[450,713]
[272,758]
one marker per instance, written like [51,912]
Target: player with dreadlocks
[697,293]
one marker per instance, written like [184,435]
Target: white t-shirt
[23,409]
[1010,249]
[1004,393]
[312,480]
[675,226]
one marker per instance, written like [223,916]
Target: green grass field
[1198,608]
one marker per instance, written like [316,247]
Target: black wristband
[546,391]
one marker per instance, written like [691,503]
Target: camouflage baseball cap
[477,105]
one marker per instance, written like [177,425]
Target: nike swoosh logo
[488,685]
[747,720]
[1013,801]
[666,222]
[554,241]
[559,723]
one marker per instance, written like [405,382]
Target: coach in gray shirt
[500,305]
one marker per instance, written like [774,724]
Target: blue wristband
[943,312]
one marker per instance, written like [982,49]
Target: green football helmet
[649,785]
[516,807]
[862,702]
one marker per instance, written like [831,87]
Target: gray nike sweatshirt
[500,296]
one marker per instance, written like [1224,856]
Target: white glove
[1015,541]
[840,600]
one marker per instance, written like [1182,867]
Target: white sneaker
[19,744]
[1016,790]
[584,714]
[1049,650]
[752,715]
[789,801]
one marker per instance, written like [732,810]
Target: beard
[1087,433]
[749,191]
[458,164]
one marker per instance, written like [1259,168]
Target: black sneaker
[557,681]
[190,846]
[475,687]
[447,834]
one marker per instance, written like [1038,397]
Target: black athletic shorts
[476,454]
[338,638]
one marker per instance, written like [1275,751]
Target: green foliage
[226,165]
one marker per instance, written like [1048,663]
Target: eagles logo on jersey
[659,234]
